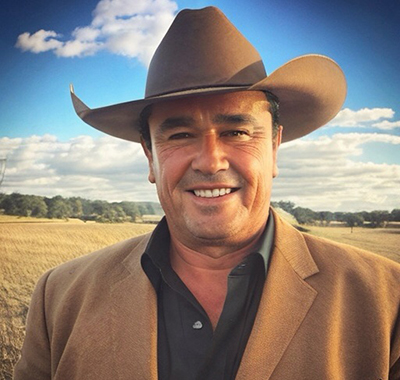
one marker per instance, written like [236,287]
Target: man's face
[213,159]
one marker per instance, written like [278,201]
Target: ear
[149,156]
[276,143]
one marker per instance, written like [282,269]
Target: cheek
[170,166]
[255,163]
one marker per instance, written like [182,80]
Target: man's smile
[213,193]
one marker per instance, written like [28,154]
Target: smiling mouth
[213,193]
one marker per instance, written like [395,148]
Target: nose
[210,157]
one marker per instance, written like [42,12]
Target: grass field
[384,241]
[29,247]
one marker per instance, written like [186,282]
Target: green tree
[130,209]
[58,208]
[353,220]
[379,218]
[37,206]
[76,207]
[395,215]
[325,217]
[286,206]
[100,207]
[305,215]
[9,204]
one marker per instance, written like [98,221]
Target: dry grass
[30,247]
[383,241]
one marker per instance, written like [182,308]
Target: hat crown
[202,49]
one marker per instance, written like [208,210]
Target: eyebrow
[235,119]
[175,122]
[172,123]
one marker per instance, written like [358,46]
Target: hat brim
[311,91]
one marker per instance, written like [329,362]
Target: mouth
[213,193]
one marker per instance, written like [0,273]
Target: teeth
[212,193]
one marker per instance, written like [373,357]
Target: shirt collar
[267,240]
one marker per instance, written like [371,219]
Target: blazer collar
[134,319]
[286,301]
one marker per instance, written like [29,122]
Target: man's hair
[144,116]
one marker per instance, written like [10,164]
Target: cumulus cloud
[101,168]
[124,27]
[365,117]
[388,125]
[321,173]
[39,42]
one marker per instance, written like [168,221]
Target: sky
[104,48]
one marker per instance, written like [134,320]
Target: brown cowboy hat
[203,53]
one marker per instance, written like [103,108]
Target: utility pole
[3,162]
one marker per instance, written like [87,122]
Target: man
[223,288]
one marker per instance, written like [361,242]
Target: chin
[212,231]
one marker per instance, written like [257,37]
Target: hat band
[199,90]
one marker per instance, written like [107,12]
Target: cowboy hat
[203,53]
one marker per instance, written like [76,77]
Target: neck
[212,257]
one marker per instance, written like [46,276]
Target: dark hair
[144,128]
[273,101]
[144,116]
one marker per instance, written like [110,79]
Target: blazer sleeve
[395,368]
[35,360]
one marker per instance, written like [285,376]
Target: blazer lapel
[285,302]
[134,320]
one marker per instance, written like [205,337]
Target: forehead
[243,102]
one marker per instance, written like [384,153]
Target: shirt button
[197,325]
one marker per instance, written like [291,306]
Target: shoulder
[335,262]
[361,280]
[97,268]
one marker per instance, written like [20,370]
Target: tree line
[59,207]
[373,219]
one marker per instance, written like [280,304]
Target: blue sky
[351,164]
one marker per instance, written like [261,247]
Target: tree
[100,207]
[58,208]
[37,206]
[9,204]
[286,206]
[304,215]
[395,215]
[23,205]
[353,220]
[130,209]
[379,218]
[76,207]
[325,217]
[339,216]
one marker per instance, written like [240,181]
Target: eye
[180,136]
[236,133]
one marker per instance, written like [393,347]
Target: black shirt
[187,346]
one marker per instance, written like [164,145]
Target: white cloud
[322,174]
[387,125]
[365,117]
[39,42]
[102,168]
[124,27]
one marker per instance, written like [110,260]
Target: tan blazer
[328,312]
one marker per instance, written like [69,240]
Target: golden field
[29,247]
